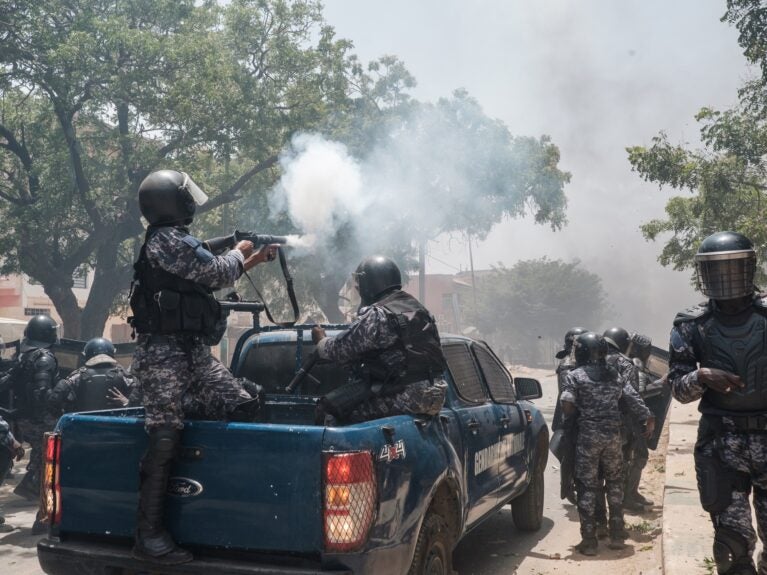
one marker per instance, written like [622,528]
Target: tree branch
[231,194]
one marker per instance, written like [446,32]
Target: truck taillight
[50,490]
[349,499]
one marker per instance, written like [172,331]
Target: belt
[749,422]
[153,338]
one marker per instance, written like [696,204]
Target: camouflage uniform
[7,455]
[64,397]
[175,371]
[6,449]
[743,454]
[372,331]
[596,391]
[36,374]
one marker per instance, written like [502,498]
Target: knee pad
[730,549]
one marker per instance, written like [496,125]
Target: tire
[433,549]
[527,509]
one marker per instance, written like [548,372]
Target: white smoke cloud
[321,186]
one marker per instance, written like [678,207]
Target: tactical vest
[418,339]
[737,345]
[166,304]
[95,383]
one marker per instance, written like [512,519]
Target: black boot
[589,544]
[618,534]
[633,500]
[153,542]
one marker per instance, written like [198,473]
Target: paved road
[494,548]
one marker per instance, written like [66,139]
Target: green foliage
[540,298]
[94,95]
[726,181]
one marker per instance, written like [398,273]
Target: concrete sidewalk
[687,531]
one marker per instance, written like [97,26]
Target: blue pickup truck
[285,495]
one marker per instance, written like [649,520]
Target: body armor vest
[166,304]
[95,383]
[418,339]
[737,345]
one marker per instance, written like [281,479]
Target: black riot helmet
[376,276]
[41,331]
[618,338]
[569,338]
[725,265]
[169,198]
[98,346]
[590,349]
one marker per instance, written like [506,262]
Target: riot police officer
[31,380]
[10,450]
[393,349]
[177,319]
[95,385]
[593,391]
[567,432]
[718,355]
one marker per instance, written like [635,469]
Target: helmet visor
[726,275]
[194,190]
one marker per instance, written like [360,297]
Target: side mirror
[528,388]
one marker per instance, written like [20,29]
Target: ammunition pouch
[340,402]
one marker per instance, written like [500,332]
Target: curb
[687,532]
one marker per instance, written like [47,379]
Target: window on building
[37,311]
[80,278]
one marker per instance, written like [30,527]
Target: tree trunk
[66,305]
[110,278]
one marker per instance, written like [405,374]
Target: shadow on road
[497,546]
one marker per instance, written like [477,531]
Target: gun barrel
[264,239]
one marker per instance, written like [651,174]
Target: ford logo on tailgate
[184,487]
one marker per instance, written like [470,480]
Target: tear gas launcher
[218,245]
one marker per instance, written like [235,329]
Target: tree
[727,179]
[535,299]
[96,94]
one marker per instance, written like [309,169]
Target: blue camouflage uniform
[596,391]
[173,368]
[730,457]
[374,333]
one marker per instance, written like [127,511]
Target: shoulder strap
[693,313]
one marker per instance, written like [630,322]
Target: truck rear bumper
[75,558]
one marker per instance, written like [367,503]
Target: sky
[595,75]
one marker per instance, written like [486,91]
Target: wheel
[527,509]
[433,550]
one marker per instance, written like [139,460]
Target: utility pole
[473,279]
[422,271]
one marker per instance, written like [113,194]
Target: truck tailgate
[235,485]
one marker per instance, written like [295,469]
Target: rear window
[464,372]
[272,365]
[497,378]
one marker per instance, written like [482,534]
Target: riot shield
[658,395]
